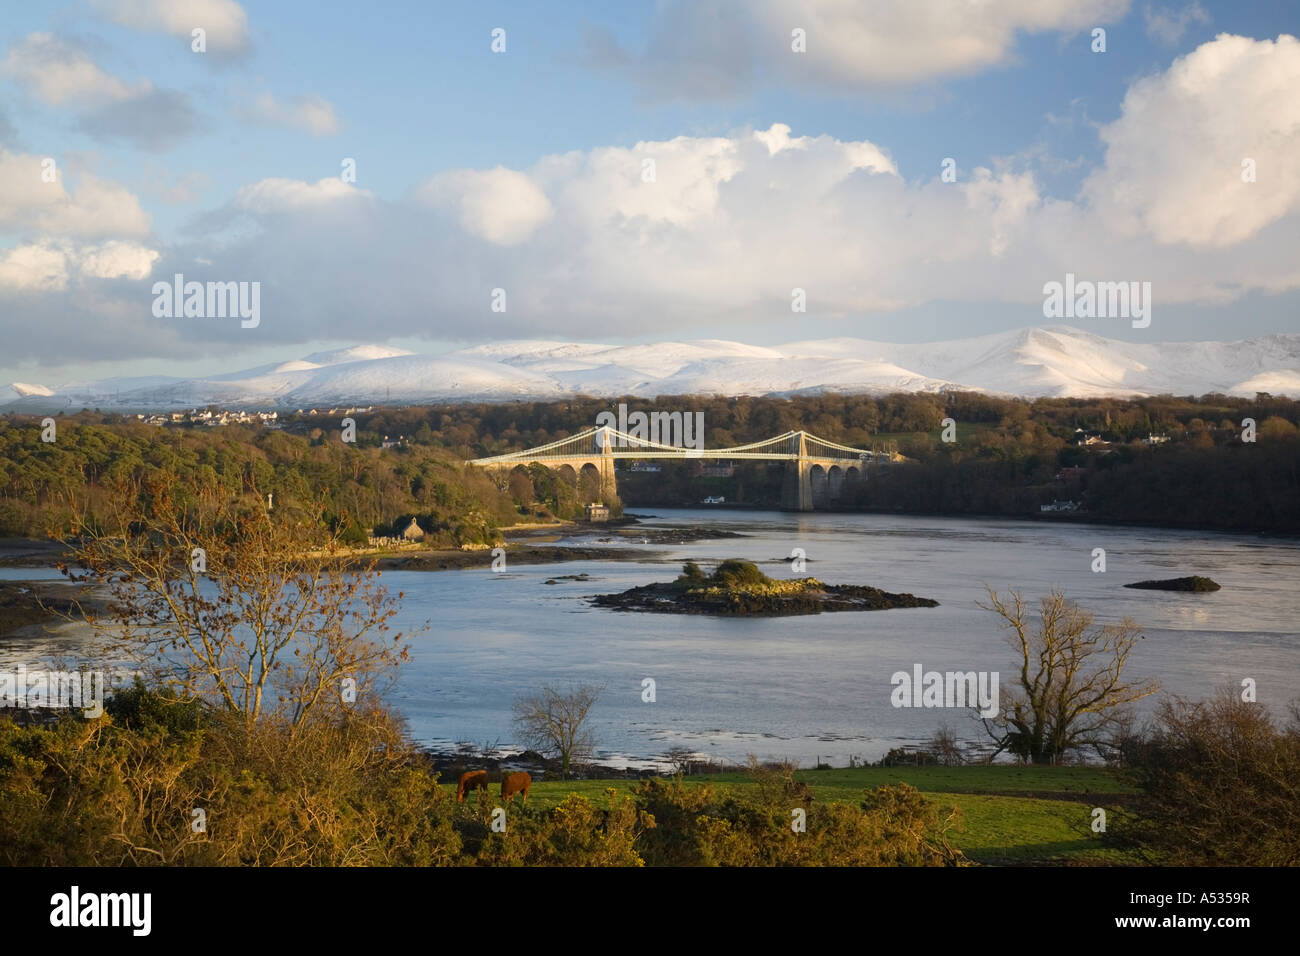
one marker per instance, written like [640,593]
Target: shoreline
[526,544]
[46,553]
[30,607]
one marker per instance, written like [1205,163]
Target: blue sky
[173,145]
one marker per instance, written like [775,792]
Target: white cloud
[117,259]
[726,229]
[224,21]
[1173,165]
[889,42]
[279,195]
[56,265]
[59,72]
[309,113]
[712,48]
[729,225]
[94,208]
[58,226]
[500,205]
[33,268]
[1167,26]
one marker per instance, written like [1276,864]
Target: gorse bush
[751,826]
[1221,785]
[350,790]
[734,573]
[575,833]
[123,790]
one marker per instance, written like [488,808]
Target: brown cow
[471,780]
[514,783]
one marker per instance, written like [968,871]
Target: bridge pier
[608,480]
[796,490]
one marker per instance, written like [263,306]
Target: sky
[434,175]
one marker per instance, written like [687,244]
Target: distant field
[964,431]
[1010,815]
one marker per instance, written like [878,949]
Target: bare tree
[252,612]
[945,747]
[1070,691]
[680,758]
[555,722]
[1221,782]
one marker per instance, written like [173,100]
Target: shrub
[122,789]
[575,833]
[1221,786]
[699,826]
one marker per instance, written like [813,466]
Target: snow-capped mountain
[1056,361]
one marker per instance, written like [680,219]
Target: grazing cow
[471,780]
[514,783]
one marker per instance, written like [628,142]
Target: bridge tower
[796,490]
[608,480]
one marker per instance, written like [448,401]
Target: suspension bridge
[818,470]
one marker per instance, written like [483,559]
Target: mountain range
[1032,362]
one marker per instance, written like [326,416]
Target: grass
[1010,814]
[965,430]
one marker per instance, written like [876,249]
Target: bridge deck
[797,446]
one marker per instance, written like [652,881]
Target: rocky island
[1194,583]
[739,589]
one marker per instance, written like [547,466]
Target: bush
[734,573]
[698,826]
[576,833]
[350,790]
[123,789]
[1221,786]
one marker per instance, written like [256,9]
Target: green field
[1010,814]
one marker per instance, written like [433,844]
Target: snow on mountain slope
[608,379]
[1282,382]
[520,351]
[414,378]
[1055,361]
[658,360]
[357,353]
[796,374]
[297,365]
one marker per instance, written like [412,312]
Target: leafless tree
[1069,692]
[680,758]
[945,747]
[1221,783]
[554,722]
[251,611]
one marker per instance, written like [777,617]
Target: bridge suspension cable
[607,441]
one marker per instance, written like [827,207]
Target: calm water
[818,686]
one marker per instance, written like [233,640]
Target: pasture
[1011,815]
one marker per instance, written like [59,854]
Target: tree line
[362,488]
[1007,457]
